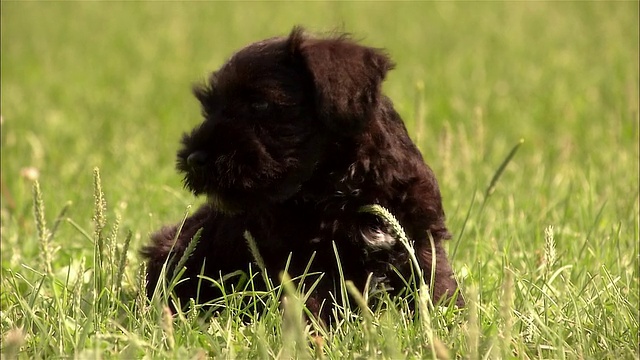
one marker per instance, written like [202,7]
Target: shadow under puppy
[296,138]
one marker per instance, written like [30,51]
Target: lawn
[527,112]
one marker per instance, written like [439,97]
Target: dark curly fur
[296,137]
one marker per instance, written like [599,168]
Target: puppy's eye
[260,105]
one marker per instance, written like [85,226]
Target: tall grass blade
[44,235]
[110,254]
[100,204]
[595,223]
[344,298]
[366,315]
[496,176]
[186,254]
[550,256]
[255,252]
[293,329]
[122,263]
[167,327]
[162,286]
[473,332]
[59,218]
[463,228]
[506,308]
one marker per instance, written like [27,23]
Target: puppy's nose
[197,159]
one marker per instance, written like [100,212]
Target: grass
[546,251]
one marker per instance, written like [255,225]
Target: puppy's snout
[197,159]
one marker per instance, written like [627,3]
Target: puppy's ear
[347,78]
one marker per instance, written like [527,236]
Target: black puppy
[296,138]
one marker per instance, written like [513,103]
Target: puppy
[296,138]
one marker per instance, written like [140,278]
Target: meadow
[527,113]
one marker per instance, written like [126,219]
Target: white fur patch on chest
[377,239]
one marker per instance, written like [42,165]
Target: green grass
[547,254]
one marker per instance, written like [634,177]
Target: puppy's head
[271,112]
